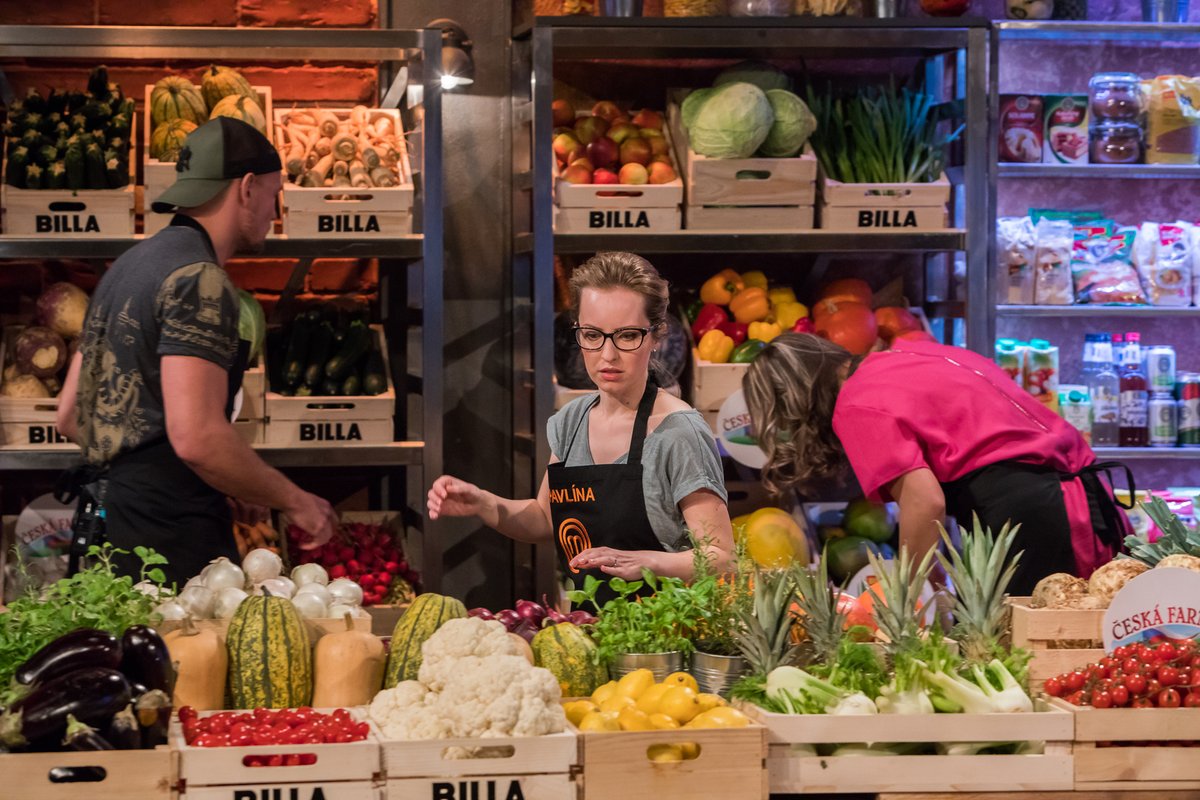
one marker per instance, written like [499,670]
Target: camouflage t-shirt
[164,297]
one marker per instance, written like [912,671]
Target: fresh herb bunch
[663,622]
[879,135]
[856,666]
[725,597]
[92,598]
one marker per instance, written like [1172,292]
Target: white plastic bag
[1016,243]
[1053,283]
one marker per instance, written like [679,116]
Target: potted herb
[718,662]
[654,632]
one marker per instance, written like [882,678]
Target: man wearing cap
[150,392]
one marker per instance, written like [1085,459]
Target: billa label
[618,219]
[309,792]
[330,432]
[46,434]
[66,223]
[735,432]
[504,789]
[347,223]
[887,218]
[1161,603]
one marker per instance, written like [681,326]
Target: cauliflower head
[462,638]
[500,695]
[407,712]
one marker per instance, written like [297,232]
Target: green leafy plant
[724,597]
[94,597]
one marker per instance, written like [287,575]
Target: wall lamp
[458,68]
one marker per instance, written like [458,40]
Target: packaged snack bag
[1016,243]
[1052,260]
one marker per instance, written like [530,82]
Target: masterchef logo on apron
[573,538]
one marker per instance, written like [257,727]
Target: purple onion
[554,617]
[481,613]
[581,618]
[531,611]
[509,618]
[525,630]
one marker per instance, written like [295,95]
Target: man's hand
[314,517]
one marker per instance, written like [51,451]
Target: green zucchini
[93,161]
[33,177]
[32,138]
[56,176]
[330,387]
[116,171]
[34,102]
[17,161]
[374,381]
[303,391]
[322,344]
[297,351]
[97,83]
[76,173]
[352,385]
[356,345]
[47,155]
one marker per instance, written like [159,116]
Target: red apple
[577,174]
[604,152]
[619,133]
[606,110]
[605,176]
[658,142]
[563,113]
[648,118]
[662,173]
[636,151]
[586,163]
[589,129]
[623,119]
[634,175]
[661,158]
[565,147]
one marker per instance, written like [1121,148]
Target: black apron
[602,505]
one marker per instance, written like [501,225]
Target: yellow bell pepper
[754,279]
[774,539]
[764,331]
[789,313]
[715,346]
[781,294]
[721,288]
[750,305]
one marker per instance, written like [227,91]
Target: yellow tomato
[578,709]
[633,720]
[604,692]
[648,702]
[682,679]
[599,722]
[662,753]
[618,703]
[662,722]
[680,703]
[636,682]
[709,701]
[723,717]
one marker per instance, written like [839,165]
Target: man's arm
[922,506]
[65,419]
[194,394]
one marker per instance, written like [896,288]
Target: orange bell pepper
[721,288]
[750,305]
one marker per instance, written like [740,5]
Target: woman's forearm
[521,520]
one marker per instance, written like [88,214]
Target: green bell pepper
[746,351]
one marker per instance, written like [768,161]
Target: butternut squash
[201,664]
[349,668]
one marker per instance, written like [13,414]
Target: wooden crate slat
[1132,767]
[530,787]
[336,790]
[142,774]
[858,774]
[530,755]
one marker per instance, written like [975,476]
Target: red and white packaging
[1021,128]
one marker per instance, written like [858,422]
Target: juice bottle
[1104,387]
[1041,372]
[1135,398]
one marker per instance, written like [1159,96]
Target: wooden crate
[740,181]
[28,423]
[1153,767]
[615,220]
[884,207]
[1038,630]
[345,212]
[735,219]
[531,767]
[252,431]
[340,790]
[70,213]
[794,767]
[158,175]
[712,383]
[730,765]
[254,388]
[318,421]
[127,775]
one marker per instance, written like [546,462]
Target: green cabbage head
[691,106]
[733,122]
[794,123]
[763,75]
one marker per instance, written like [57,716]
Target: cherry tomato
[1153,686]
[1136,684]
[1075,680]
[1131,666]
[1075,698]
[1110,662]
[1120,696]
[1165,652]
[1192,700]
[210,740]
[1142,702]
[187,713]
[1054,687]
[1168,698]
[1123,652]
[1168,676]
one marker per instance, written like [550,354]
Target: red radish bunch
[366,554]
[528,616]
[1155,674]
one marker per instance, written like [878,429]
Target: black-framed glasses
[626,339]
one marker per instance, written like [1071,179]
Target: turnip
[1112,577]
[40,352]
[62,308]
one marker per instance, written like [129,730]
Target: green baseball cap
[220,150]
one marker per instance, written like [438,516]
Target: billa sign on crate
[1159,602]
[884,207]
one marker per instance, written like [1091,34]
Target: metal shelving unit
[1148,33]
[1097,311]
[1143,453]
[1100,171]
[411,266]
[957,48]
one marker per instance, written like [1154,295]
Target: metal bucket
[661,664]
[1164,10]
[622,8]
[715,674]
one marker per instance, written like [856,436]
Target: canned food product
[1160,368]
[1164,424]
[1189,409]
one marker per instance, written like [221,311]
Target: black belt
[88,485]
[1106,502]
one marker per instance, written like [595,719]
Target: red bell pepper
[804,326]
[738,331]
[709,319]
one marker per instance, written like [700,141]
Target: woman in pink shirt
[936,429]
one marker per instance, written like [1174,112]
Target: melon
[570,656]
[176,98]
[426,614]
[168,138]
[241,107]
[270,657]
[221,82]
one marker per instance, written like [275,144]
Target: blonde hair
[791,388]
[616,270]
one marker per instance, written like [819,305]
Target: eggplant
[145,660]
[92,694]
[81,736]
[123,731]
[153,711]
[86,647]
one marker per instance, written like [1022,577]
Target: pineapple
[980,574]
[823,621]
[900,583]
[765,638]
[1176,538]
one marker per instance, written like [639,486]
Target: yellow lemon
[618,703]
[662,722]
[633,684]
[633,720]
[648,701]
[663,753]
[682,679]
[680,703]
[709,701]
[604,692]
[600,722]
[578,709]
[690,750]
[723,717]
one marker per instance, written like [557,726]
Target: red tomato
[1054,687]
[1136,684]
[1142,702]
[1165,652]
[1130,666]
[1168,676]
[1168,698]
[1075,680]
[1192,700]
[1102,699]
[1120,696]
[1153,686]
[187,713]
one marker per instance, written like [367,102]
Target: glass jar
[693,8]
[1115,97]
[760,8]
[1116,143]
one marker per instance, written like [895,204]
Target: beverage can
[1189,409]
[1160,368]
[1164,424]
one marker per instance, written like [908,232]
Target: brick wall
[291,82]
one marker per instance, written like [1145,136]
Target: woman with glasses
[633,470]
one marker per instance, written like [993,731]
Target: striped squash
[220,82]
[167,139]
[176,98]
[270,658]
[426,614]
[569,654]
[241,107]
